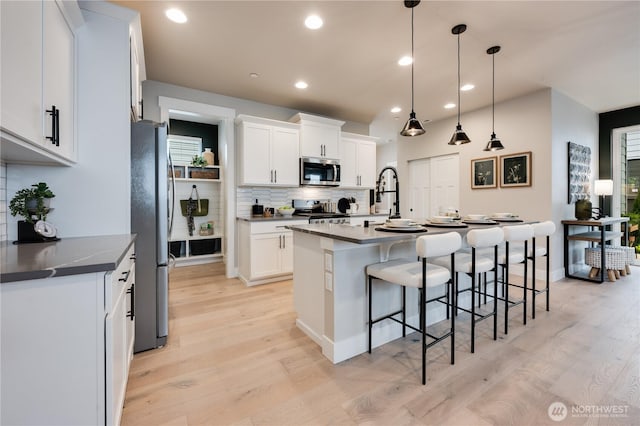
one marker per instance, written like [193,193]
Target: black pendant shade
[413,127]
[459,136]
[494,144]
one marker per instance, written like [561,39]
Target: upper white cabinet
[38,81]
[137,71]
[357,161]
[268,152]
[319,136]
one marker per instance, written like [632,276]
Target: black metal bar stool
[421,275]
[540,230]
[475,265]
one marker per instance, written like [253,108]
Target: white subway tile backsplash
[276,197]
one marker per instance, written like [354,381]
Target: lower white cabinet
[266,253]
[66,344]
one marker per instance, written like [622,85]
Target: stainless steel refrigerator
[150,220]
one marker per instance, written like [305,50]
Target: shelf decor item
[208,156]
[579,167]
[33,204]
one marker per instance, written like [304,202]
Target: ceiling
[588,50]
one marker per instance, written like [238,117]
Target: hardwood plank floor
[235,357]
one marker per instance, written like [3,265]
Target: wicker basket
[205,174]
[614,258]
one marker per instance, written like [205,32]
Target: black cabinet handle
[132,291]
[55,121]
[126,276]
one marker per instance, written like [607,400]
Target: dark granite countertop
[277,217]
[69,256]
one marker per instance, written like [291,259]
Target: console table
[599,232]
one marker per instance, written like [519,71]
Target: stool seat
[464,262]
[409,273]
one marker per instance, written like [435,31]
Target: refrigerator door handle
[173,192]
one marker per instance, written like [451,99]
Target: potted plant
[33,204]
[199,161]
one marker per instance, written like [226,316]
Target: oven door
[319,172]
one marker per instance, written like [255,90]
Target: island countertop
[69,256]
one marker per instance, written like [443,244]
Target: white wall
[4,202]
[92,197]
[571,122]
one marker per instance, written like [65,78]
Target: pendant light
[413,127]
[494,144]
[459,136]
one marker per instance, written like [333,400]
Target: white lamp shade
[603,187]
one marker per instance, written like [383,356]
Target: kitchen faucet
[379,191]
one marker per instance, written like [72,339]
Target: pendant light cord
[458,79]
[412,59]
[493,94]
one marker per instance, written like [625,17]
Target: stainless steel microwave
[319,172]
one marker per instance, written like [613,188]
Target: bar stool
[540,230]
[515,251]
[474,265]
[421,275]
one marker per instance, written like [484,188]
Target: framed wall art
[579,167]
[484,173]
[515,170]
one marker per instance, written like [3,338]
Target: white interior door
[434,183]
[445,178]
[419,188]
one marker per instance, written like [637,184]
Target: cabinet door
[265,255]
[256,148]
[21,72]
[367,164]
[116,358]
[286,253]
[349,163]
[58,78]
[284,156]
[319,140]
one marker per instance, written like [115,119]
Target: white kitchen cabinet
[66,347]
[267,253]
[137,71]
[319,136]
[268,152]
[357,161]
[39,80]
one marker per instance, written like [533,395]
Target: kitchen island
[329,285]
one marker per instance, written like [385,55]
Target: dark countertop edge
[12,277]
[272,218]
[374,240]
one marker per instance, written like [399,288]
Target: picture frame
[515,170]
[484,173]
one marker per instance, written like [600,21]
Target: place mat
[506,219]
[455,224]
[406,230]
[480,222]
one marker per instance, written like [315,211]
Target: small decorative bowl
[286,212]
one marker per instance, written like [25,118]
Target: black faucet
[379,191]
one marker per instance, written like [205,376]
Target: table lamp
[602,188]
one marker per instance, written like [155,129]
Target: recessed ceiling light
[176,15]
[467,87]
[313,22]
[254,75]
[405,60]
[301,84]
[396,109]
[450,105]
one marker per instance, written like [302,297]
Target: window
[183,148]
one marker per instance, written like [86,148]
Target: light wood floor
[235,356]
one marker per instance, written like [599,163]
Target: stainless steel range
[316,214]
